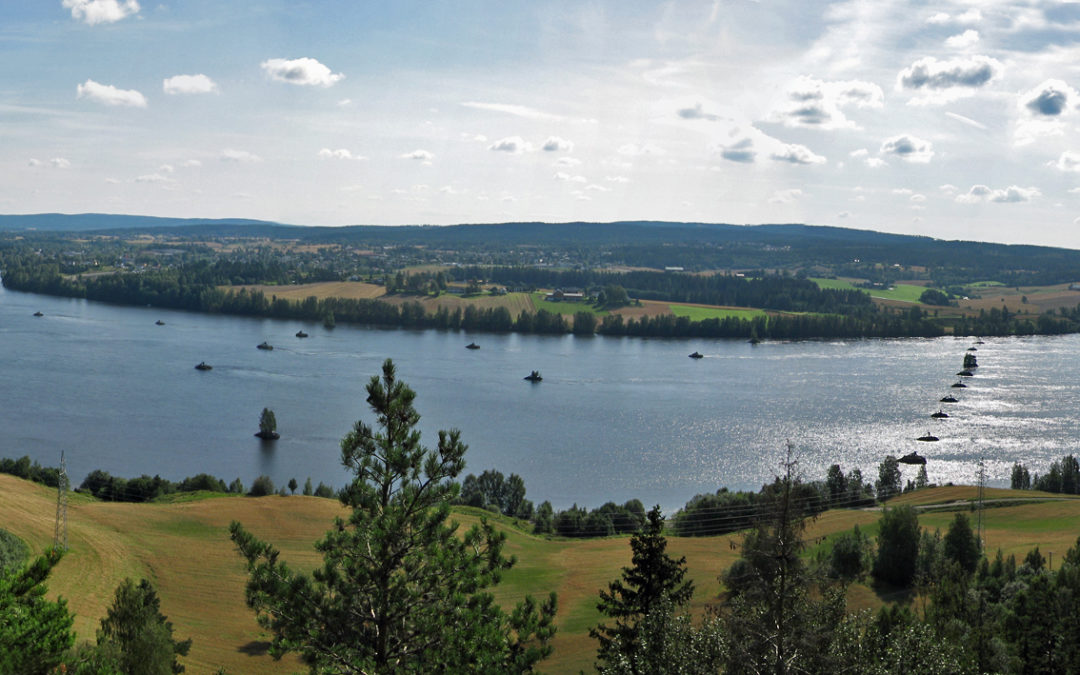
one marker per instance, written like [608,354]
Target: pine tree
[399,590]
[653,577]
[34,632]
[141,634]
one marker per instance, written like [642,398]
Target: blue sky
[957,120]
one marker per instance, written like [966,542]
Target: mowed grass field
[184,549]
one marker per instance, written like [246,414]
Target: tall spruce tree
[399,590]
[653,578]
[34,632]
[140,634]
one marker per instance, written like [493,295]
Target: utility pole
[60,536]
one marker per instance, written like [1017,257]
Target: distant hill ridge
[841,243]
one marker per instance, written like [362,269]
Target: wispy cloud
[242,156]
[513,109]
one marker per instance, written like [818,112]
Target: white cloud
[796,154]
[93,12]
[110,95]
[970,17]
[230,155]
[419,155]
[344,103]
[55,163]
[903,191]
[617,179]
[303,71]
[697,112]
[154,178]
[785,196]
[563,176]
[963,40]
[1012,194]
[635,150]
[515,145]
[340,153]
[593,187]
[448,190]
[908,148]
[517,110]
[192,163]
[875,162]
[189,84]
[1068,161]
[568,161]
[818,104]
[948,80]
[166,168]
[556,144]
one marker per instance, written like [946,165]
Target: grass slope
[184,549]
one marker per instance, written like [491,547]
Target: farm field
[184,549]
[354,290]
[903,291]
[702,312]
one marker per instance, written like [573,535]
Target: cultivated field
[183,548]
[354,290]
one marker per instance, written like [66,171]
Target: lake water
[613,419]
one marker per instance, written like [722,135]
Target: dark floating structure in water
[959,385]
[301,334]
[913,458]
[929,437]
[472,345]
[38,314]
[939,415]
[264,345]
[203,365]
[697,355]
[949,398]
[534,376]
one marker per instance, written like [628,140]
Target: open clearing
[184,549]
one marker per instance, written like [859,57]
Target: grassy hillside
[183,548]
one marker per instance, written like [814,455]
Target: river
[613,419]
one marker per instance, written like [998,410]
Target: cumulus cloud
[1050,99]
[741,151]
[971,16]
[192,163]
[515,145]
[944,81]
[696,112]
[963,40]
[818,104]
[110,95]
[1010,195]
[189,84]
[563,176]
[93,12]
[419,155]
[557,144]
[340,153]
[796,154]
[242,156]
[1068,161]
[617,179]
[302,72]
[908,148]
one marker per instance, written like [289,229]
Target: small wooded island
[268,426]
